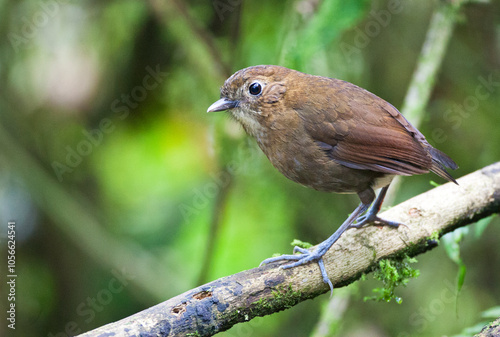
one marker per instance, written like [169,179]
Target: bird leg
[355,220]
[307,256]
[371,215]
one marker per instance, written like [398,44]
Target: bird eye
[255,88]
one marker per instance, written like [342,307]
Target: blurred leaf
[493,312]
[461,276]
[480,226]
[451,243]
[434,184]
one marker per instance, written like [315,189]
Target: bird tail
[440,161]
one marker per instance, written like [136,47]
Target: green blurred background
[125,192]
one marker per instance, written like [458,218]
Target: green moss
[286,296]
[392,273]
[434,236]
[262,304]
[301,244]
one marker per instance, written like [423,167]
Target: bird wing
[360,130]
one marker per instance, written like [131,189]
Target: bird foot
[304,257]
[372,218]
[316,255]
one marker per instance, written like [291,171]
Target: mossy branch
[218,305]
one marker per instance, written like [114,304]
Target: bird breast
[299,158]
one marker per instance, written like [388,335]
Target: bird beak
[222,104]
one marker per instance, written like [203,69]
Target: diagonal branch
[218,305]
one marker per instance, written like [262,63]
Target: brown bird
[329,135]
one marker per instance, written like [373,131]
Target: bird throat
[250,123]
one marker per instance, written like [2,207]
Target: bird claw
[279,258]
[298,249]
[326,279]
[371,218]
[305,256]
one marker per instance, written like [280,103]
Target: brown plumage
[329,135]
